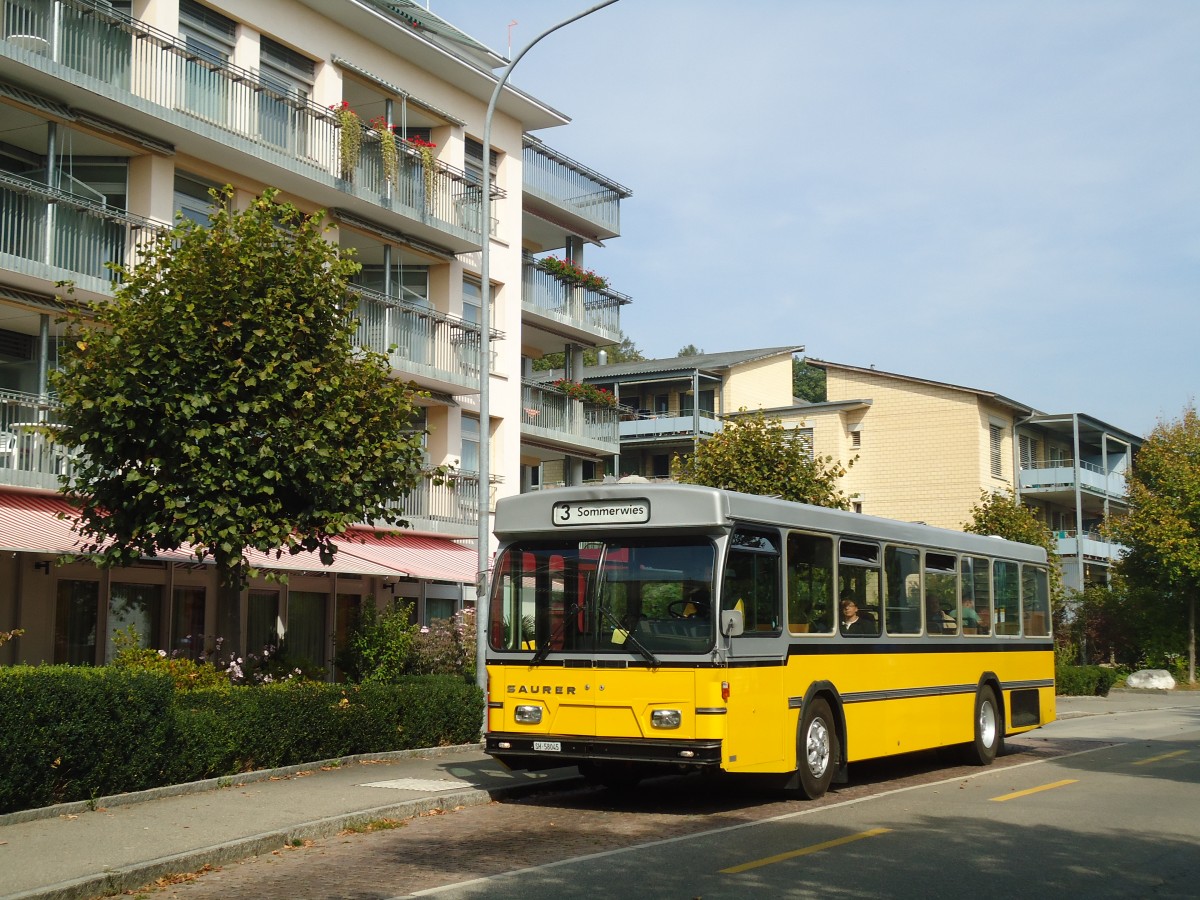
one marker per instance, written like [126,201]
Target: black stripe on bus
[938,690]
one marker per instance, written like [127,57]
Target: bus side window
[976,596]
[858,580]
[752,579]
[809,584]
[1035,600]
[902,590]
[1007,594]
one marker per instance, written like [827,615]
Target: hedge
[1084,681]
[74,733]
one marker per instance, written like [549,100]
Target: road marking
[1160,757]
[1045,787]
[805,851]
[757,823]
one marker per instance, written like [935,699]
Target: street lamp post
[485,353]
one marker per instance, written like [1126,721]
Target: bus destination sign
[601,512]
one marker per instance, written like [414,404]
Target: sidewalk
[72,851]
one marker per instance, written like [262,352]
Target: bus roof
[666,508]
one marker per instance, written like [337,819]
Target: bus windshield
[645,596]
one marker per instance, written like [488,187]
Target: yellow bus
[641,629]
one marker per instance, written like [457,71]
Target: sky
[999,194]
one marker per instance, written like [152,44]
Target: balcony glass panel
[590,310]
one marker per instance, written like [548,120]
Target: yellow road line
[1159,758]
[1045,787]
[792,854]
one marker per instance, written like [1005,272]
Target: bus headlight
[528,715]
[665,718]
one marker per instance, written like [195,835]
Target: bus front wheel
[818,750]
[988,727]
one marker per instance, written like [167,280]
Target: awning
[30,523]
[420,557]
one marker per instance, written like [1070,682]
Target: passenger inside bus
[855,622]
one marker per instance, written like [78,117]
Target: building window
[473,161]
[136,606]
[262,621]
[187,621]
[1028,449]
[472,298]
[306,629]
[996,435]
[192,198]
[209,38]
[856,439]
[288,76]
[76,618]
[469,461]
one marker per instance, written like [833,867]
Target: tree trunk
[1192,639]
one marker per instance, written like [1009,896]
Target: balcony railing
[1091,544]
[552,414]
[597,312]
[27,457]
[1061,474]
[417,341]
[452,506]
[49,229]
[127,55]
[567,184]
[668,425]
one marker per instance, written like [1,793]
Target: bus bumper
[550,751]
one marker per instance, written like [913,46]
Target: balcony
[450,508]
[438,351]
[151,82]
[52,235]
[553,420]
[1060,478]
[567,312]
[27,457]
[569,193]
[1090,545]
[646,427]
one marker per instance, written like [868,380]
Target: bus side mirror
[732,622]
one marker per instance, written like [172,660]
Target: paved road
[550,835]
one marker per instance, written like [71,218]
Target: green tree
[1162,530]
[808,382]
[625,351]
[1000,513]
[758,455]
[218,401]
[689,350]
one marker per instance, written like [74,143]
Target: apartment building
[926,451]
[120,116]
[667,406]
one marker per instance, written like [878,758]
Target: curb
[220,783]
[143,874]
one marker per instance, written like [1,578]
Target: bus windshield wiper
[543,651]
[628,632]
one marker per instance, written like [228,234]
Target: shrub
[1084,681]
[73,733]
[446,647]
[186,674]
[381,646]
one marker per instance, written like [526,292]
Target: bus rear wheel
[817,748]
[988,728]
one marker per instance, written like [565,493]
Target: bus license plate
[551,746]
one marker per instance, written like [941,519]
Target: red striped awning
[31,523]
[418,556]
